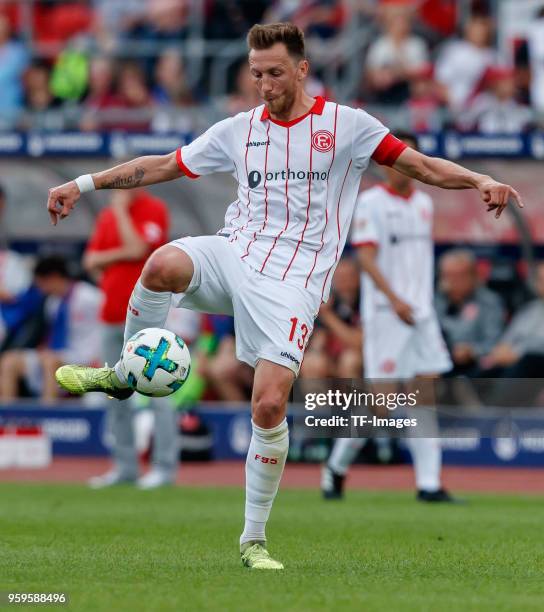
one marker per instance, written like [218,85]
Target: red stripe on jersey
[183,167]
[234,237]
[265,195]
[286,203]
[309,201]
[338,225]
[388,151]
[364,244]
[326,200]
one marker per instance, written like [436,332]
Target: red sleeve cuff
[183,167]
[388,151]
[364,243]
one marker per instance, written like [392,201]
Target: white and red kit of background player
[272,263]
[401,229]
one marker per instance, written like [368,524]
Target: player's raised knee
[167,269]
[268,408]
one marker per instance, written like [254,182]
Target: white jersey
[297,185]
[401,228]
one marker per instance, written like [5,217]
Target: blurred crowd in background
[146,64]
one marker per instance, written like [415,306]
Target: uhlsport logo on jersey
[323,141]
[255,177]
[257,143]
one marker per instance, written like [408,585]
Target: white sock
[426,452]
[146,309]
[343,454]
[264,466]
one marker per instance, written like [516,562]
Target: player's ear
[303,68]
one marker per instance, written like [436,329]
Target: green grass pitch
[177,549]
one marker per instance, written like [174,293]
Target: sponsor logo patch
[254,178]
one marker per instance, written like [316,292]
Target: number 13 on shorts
[299,338]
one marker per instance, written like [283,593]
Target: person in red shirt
[126,233]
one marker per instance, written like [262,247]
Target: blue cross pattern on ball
[156,358]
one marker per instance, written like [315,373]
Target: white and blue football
[156,362]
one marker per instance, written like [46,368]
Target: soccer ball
[156,362]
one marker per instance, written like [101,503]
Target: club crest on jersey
[323,141]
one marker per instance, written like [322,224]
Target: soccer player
[298,162]
[392,232]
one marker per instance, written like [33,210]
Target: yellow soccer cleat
[82,379]
[255,556]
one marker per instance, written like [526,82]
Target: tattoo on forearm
[125,182]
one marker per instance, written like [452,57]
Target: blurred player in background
[298,161]
[71,315]
[392,232]
[127,231]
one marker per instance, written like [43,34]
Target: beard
[282,104]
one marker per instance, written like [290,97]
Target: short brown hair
[266,36]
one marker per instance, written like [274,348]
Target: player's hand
[502,355]
[404,311]
[462,353]
[92,261]
[62,200]
[497,195]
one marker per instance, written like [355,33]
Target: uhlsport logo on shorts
[323,141]
[291,357]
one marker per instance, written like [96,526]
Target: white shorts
[273,319]
[393,349]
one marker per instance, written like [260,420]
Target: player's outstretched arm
[448,175]
[139,172]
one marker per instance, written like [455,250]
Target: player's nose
[266,84]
